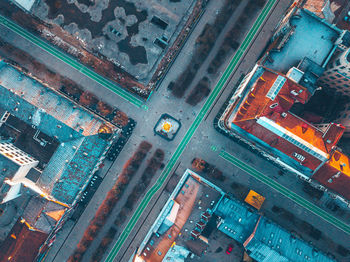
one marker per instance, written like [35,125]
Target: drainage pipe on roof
[329,56]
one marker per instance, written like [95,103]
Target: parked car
[229,249]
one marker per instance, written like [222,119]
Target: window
[276,87]
[337,62]
[342,67]
[338,75]
[332,77]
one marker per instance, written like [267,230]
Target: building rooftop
[328,9]
[67,139]
[176,253]
[42,107]
[195,196]
[25,4]
[264,240]
[254,199]
[42,214]
[304,35]
[29,139]
[265,106]
[272,243]
[335,174]
[316,6]
[260,111]
[33,174]
[237,220]
[22,243]
[64,179]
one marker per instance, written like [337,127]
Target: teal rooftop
[304,35]
[68,140]
[272,243]
[237,220]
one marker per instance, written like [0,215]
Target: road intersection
[209,102]
[190,132]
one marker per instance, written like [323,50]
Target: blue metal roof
[238,221]
[32,115]
[81,147]
[79,170]
[176,254]
[272,243]
[40,106]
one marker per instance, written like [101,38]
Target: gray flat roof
[312,38]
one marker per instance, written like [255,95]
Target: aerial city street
[175,130]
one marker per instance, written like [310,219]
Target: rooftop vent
[274,105]
[294,93]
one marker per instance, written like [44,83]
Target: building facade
[337,73]
[337,77]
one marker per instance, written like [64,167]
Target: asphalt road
[286,192]
[209,102]
[189,134]
[72,62]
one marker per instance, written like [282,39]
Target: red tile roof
[260,104]
[22,244]
[335,174]
[316,6]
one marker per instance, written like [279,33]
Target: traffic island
[167,127]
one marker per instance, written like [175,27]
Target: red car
[229,249]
